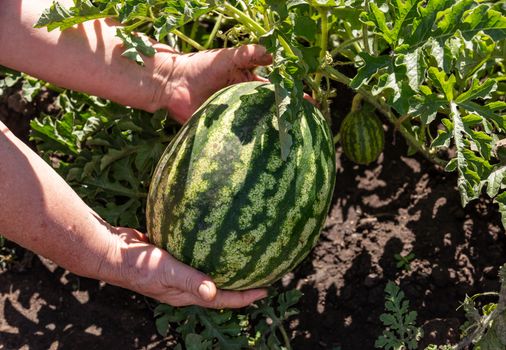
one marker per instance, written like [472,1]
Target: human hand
[140,266]
[192,78]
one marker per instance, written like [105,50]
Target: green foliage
[105,151]
[401,331]
[434,69]
[30,87]
[486,328]
[260,326]
[404,261]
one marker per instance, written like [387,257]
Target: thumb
[206,290]
[192,281]
[250,56]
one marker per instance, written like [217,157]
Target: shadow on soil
[397,206]
[64,311]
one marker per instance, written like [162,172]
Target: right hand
[151,271]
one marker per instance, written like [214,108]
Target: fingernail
[205,291]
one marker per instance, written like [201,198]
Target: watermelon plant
[433,70]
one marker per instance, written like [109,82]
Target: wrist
[167,89]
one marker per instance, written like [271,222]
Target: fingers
[250,56]
[190,280]
[233,300]
[198,289]
[224,299]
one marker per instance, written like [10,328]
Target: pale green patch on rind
[161,178]
[305,163]
[202,165]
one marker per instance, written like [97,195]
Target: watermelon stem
[188,40]
[216,27]
[356,104]
[324,38]
[256,28]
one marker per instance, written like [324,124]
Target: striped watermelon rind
[223,201]
[362,136]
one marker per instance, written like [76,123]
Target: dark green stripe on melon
[362,136]
[223,200]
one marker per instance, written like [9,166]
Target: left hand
[192,78]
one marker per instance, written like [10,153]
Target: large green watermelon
[223,200]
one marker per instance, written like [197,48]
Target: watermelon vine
[420,63]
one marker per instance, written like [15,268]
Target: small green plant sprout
[259,326]
[486,329]
[404,261]
[400,331]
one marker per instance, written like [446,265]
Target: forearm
[86,58]
[39,211]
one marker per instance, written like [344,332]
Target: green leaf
[478,90]
[59,17]
[55,135]
[501,201]
[483,19]
[495,181]
[369,68]
[426,107]
[282,102]
[442,82]
[197,342]
[305,27]
[135,46]
[415,67]
[381,22]
[279,7]
[471,169]
[487,111]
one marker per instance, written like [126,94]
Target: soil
[398,205]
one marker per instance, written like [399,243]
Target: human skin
[39,211]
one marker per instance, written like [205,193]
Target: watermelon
[362,136]
[224,201]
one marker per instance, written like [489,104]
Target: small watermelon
[362,136]
[224,201]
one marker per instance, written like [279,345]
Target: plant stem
[348,30]
[324,38]
[257,29]
[356,104]
[216,27]
[387,112]
[188,40]
[285,337]
[276,322]
[135,25]
[365,31]
[344,45]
